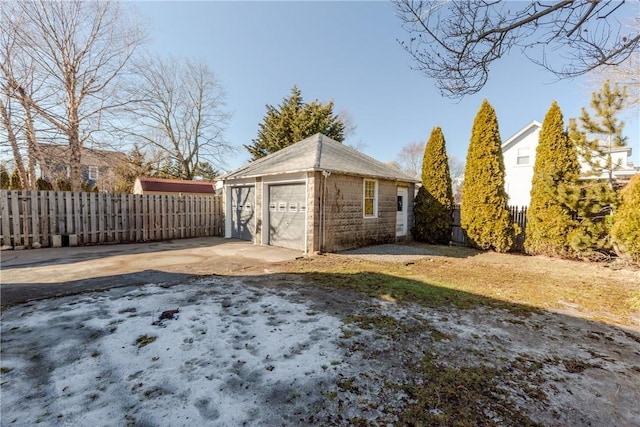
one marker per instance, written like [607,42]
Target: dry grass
[465,277]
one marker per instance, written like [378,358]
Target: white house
[519,153]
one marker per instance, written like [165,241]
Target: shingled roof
[319,153]
[161,185]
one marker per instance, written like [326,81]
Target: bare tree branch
[79,50]
[181,112]
[455,42]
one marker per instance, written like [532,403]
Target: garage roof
[319,153]
[161,185]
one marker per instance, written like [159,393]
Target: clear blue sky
[348,52]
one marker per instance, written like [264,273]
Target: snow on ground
[262,351]
[235,355]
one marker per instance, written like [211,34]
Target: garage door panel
[242,212]
[287,216]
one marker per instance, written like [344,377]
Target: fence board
[15,217]
[5,225]
[33,214]
[44,219]
[29,217]
[518,216]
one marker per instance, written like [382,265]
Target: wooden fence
[518,216]
[62,218]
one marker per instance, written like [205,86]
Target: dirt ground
[272,349]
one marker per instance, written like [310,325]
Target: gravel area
[389,253]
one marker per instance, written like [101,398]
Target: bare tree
[410,158]
[455,42]
[181,113]
[625,74]
[79,50]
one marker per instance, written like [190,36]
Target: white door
[402,212]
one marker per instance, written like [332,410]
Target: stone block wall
[346,226]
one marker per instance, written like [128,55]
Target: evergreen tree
[15,183]
[549,219]
[292,121]
[592,201]
[605,130]
[133,167]
[434,203]
[484,215]
[43,185]
[63,184]
[5,179]
[205,171]
[626,221]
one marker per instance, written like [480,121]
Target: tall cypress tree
[434,203]
[484,215]
[549,219]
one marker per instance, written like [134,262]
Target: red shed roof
[176,185]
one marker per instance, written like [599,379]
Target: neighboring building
[97,166]
[519,152]
[318,195]
[145,185]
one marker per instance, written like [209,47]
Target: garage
[287,216]
[243,212]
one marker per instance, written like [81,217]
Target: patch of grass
[5,370]
[331,395]
[465,278]
[144,340]
[448,396]
[574,366]
[347,384]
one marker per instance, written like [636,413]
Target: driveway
[44,273]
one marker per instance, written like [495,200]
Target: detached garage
[318,195]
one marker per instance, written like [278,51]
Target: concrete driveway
[44,273]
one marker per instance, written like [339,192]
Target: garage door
[287,215]
[242,213]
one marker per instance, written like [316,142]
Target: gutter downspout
[323,216]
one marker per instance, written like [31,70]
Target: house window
[93,173]
[370,202]
[523,156]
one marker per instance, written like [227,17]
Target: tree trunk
[17,156]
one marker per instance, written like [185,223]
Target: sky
[349,52]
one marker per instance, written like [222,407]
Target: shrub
[625,232]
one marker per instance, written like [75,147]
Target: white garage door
[242,213]
[287,215]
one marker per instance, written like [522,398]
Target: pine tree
[133,167]
[626,221]
[594,198]
[434,203]
[484,215]
[605,130]
[292,121]
[549,219]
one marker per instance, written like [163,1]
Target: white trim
[375,198]
[404,192]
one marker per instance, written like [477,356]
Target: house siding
[346,228]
